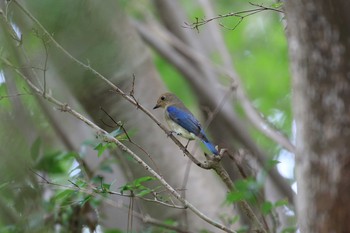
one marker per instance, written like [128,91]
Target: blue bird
[181,120]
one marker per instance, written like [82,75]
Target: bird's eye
[162,98]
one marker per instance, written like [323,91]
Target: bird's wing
[185,119]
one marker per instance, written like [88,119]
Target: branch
[206,92]
[116,89]
[13,96]
[66,108]
[153,33]
[95,190]
[214,164]
[240,15]
[129,138]
[253,115]
[155,222]
[85,169]
[217,167]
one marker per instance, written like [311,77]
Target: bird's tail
[208,144]
[211,147]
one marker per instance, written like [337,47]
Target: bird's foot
[173,132]
[188,142]
[170,133]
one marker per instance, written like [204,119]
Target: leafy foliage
[267,207]
[137,187]
[247,189]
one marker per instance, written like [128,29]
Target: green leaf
[80,183]
[266,207]
[143,179]
[235,196]
[248,184]
[100,149]
[106,187]
[35,149]
[86,199]
[244,190]
[272,163]
[277,5]
[64,194]
[126,187]
[51,163]
[170,222]
[68,155]
[136,184]
[282,202]
[144,192]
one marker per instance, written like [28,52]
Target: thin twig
[132,92]
[160,44]
[130,215]
[96,190]
[155,222]
[240,14]
[119,91]
[132,142]
[152,37]
[45,65]
[115,88]
[85,170]
[14,95]
[145,218]
[66,108]
[212,164]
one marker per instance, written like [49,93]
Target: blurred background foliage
[259,50]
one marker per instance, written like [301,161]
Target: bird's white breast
[178,129]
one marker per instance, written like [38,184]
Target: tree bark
[319,45]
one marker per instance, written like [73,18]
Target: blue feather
[211,147]
[187,121]
[207,143]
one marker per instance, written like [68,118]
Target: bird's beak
[157,106]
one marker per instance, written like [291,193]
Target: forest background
[82,150]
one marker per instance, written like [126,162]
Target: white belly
[179,130]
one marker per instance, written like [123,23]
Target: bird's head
[166,99]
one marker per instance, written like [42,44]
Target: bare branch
[97,190]
[115,88]
[14,95]
[150,220]
[213,164]
[240,15]
[155,40]
[66,108]
[120,124]
[253,115]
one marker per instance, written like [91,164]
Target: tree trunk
[319,46]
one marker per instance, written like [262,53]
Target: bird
[181,121]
